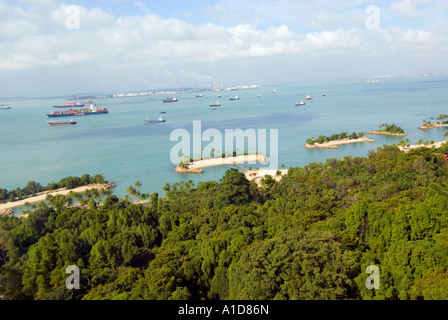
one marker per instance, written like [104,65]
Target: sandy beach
[196,166]
[42,196]
[258,175]
[434,125]
[415,146]
[335,144]
[388,133]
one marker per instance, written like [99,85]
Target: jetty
[335,144]
[198,165]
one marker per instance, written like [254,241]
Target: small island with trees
[442,121]
[332,142]
[195,166]
[391,130]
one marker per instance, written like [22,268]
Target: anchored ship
[217,104]
[170,100]
[79,112]
[157,120]
[61,123]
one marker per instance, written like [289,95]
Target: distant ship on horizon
[170,100]
[4,107]
[217,104]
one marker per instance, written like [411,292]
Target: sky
[52,47]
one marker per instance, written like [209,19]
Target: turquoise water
[123,149]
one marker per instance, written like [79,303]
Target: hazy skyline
[52,47]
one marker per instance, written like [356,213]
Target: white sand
[415,146]
[258,175]
[229,160]
[41,197]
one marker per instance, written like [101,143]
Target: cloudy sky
[52,47]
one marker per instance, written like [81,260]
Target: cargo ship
[74,104]
[78,112]
[217,104]
[157,120]
[61,123]
[170,100]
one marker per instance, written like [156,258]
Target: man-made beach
[415,146]
[258,175]
[196,166]
[388,133]
[336,143]
[433,125]
[5,207]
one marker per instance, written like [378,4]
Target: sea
[121,147]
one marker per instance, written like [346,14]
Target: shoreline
[336,143]
[416,146]
[258,175]
[196,166]
[5,207]
[388,133]
[433,125]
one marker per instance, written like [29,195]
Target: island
[390,130]
[333,141]
[5,207]
[196,166]
[422,144]
[442,122]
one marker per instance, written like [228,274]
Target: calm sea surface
[122,148]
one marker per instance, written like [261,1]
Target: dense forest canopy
[309,236]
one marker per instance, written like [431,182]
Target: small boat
[235,98]
[274,91]
[301,103]
[4,107]
[217,104]
[157,120]
[170,100]
[219,96]
[259,95]
[308,97]
[61,123]
[199,95]
[324,94]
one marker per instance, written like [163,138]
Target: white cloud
[34,38]
[408,8]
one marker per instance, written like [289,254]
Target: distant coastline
[334,144]
[196,166]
